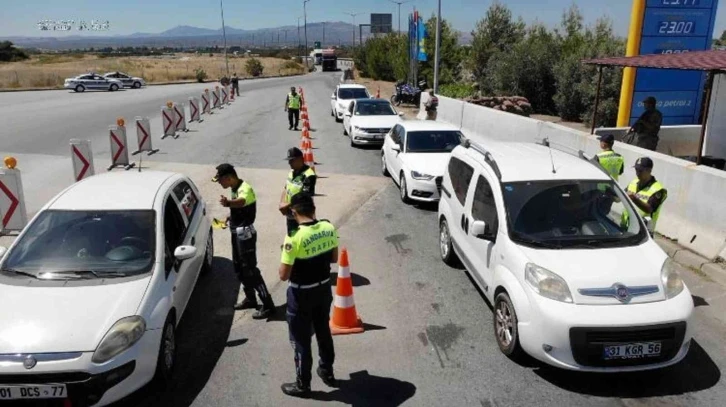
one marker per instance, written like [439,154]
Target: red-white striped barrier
[180,121]
[194,112]
[206,102]
[168,119]
[119,148]
[13,216]
[225,101]
[143,135]
[82,157]
[215,99]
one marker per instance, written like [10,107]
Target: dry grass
[50,70]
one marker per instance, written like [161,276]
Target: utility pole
[438,46]
[323,43]
[298,34]
[224,34]
[305,14]
[399,11]
[353,15]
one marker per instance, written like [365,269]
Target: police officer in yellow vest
[611,161]
[301,178]
[305,261]
[292,107]
[646,193]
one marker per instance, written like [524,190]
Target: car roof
[373,101]
[423,125]
[113,190]
[519,161]
[351,86]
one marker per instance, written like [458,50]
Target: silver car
[92,81]
[128,80]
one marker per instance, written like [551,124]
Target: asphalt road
[429,339]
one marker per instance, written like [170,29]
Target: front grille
[376,131]
[588,343]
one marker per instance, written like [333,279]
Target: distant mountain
[329,33]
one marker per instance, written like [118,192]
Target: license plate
[50,391]
[632,350]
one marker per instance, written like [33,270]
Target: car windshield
[353,93]
[85,244]
[432,141]
[571,214]
[374,109]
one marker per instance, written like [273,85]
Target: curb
[152,84]
[693,261]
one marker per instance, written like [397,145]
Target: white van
[572,283]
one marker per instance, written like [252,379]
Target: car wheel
[137,85]
[404,190]
[166,361]
[80,88]
[332,112]
[209,254]
[505,326]
[345,131]
[445,246]
[384,167]
[114,87]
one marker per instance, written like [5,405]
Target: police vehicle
[92,81]
[128,80]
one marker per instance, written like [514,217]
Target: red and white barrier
[194,112]
[143,135]
[206,102]
[215,99]
[180,121]
[13,216]
[169,122]
[224,95]
[82,158]
[119,148]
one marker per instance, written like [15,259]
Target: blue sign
[421,40]
[673,27]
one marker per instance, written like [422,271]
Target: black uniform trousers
[244,256]
[308,312]
[293,116]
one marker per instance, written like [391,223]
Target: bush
[8,52]
[200,74]
[457,90]
[254,67]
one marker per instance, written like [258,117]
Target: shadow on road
[365,390]
[695,373]
[202,336]
[427,206]
[357,279]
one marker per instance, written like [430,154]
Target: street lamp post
[399,11]
[353,15]
[298,33]
[438,46]
[305,14]
[224,34]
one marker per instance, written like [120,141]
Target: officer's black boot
[327,376]
[246,304]
[296,389]
[266,311]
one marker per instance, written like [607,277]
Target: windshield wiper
[102,274]
[23,273]
[539,243]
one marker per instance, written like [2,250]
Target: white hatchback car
[415,154]
[572,282]
[343,95]
[92,290]
[367,121]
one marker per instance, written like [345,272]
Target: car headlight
[421,176]
[122,335]
[672,282]
[547,283]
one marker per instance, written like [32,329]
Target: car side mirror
[185,252]
[480,230]
[396,148]
[333,97]
[401,114]
[348,114]
[3,250]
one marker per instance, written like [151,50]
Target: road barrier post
[119,147]
[180,119]
[82,158]
[13,215]
[143,135]
[194,112]
[224,95]
[168,120]
[206,102]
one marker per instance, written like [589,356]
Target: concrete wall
[693,213]
[715,143]
[677,141]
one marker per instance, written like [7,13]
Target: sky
[20,17]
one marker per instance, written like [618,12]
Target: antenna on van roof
[546,142]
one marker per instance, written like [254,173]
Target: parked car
[93,289]
[367,121]
[92,81]
[128,80]
[343,95]
[415,154]
[573,282]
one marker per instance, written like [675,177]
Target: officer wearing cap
[301,178]
[306,257]
[611,161]
[292,107]
[646,193]
[647,127]
[243,211]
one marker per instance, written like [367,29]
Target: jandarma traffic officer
[301,178]
[243,211]
[292,107]
[646,192]
[306,257]
[611,161]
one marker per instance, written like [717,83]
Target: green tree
[9,53]
[450,55]
[383,58]
[254,67]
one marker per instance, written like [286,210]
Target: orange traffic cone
[345,318]
[378,93]
[306,144]
[305,133]
[309,159]
[304,115]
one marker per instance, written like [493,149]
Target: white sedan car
[343,95]
[92,290]
[92,81]
[367,121]
[415,154]
[127,80]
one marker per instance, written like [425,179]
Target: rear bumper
[365,138]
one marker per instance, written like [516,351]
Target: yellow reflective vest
[644,195]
